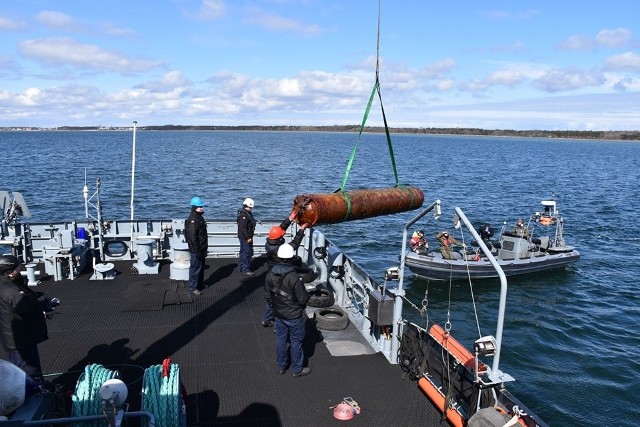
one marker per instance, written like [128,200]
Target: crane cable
[376,89]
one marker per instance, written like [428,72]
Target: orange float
[434,395]
[454,347]
[546,220]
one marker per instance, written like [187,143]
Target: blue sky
[487,64]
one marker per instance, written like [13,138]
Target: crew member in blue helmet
[22,321]
[195,230]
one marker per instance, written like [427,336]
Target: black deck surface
[226,357]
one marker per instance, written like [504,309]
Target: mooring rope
[161,394]
[86,399]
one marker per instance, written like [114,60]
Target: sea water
[571,336]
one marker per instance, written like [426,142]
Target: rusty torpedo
[331,208]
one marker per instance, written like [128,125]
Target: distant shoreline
[573,134]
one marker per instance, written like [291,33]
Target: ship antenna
[133,166]
[133,177]
[85,192]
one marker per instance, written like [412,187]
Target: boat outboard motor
[15,388]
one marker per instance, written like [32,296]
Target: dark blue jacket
[22,321]
[285,291]
[246,224]
[195,233]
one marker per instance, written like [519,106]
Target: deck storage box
[380,308]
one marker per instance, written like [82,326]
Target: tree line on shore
[573,134]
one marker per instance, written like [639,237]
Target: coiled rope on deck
[86,398]
[161,393]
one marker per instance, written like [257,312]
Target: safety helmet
[8,263]
[248,202]
[197,201]
[276,232]
[286,251]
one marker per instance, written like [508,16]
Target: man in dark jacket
[275,239]
[286,293]
[22,321]
[246,227]
[195,231]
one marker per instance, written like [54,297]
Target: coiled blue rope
[86,398]
[161,395]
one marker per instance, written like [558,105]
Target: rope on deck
[161,394]
[86,398]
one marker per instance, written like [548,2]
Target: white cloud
[626,61]
[55,20]
[212,9]
[505,77]
[9,25]
[521,15]
[578,43]
[567,79]
[111,29]
[170,81]
[273,21]
[439,68]
[610,38]
[614,38]
[207,10]
[444,85]
[64,52]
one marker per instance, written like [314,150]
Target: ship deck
[226,357]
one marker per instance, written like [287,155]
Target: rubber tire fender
[321,298]
[331,319]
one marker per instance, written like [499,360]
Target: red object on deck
[332,208]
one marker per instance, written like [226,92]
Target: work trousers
[289,331]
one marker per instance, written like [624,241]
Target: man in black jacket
[195,231]
[275,239]
[246,227]
[286,293]
[22,321]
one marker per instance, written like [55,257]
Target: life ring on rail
[546,220]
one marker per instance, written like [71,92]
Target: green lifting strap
[355,147]
[348,199]
[413,198]
[376,88]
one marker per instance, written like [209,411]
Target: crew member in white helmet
[246,228]
[286,293]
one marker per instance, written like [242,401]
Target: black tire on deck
[321,298]
[331,319]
